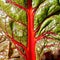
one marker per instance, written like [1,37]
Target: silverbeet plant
[33,26]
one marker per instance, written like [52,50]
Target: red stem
[31,38]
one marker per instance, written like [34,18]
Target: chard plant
[30,29]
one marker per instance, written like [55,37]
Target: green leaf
[46,9]
[13,11]
[51,24]
[35,3]
[9,25]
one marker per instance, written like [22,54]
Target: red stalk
[31,38]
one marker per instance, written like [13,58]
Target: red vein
[50,33]
[40,37]
[37,29]
[19,6]
[51,45]
[43,35]
[21,52]
[17,44]
[49,38]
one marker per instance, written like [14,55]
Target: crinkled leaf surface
[47,18]
[46,9]
[14,20]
